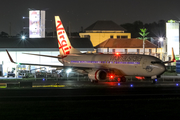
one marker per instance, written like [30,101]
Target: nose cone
[161,68]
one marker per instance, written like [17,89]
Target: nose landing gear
[94,81]
[155,81]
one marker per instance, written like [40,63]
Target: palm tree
[143,34]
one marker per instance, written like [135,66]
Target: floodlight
[23,37]
[160,39]
[68,70]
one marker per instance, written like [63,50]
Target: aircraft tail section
[173,56]
[172,59]
[65,47]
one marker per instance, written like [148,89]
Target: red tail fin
[65,47]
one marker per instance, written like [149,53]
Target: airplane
[103,66]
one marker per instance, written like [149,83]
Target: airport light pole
[67,72]
[160,41]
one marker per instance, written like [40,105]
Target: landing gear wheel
[122,79]
[94,81]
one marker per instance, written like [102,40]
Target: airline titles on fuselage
[121,59]
[125,58]
[61,39]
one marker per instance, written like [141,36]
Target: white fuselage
[125,64]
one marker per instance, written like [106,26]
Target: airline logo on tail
[64,45]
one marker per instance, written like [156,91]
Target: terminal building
[103,30]
[128,46]
[172,36]
[44,46]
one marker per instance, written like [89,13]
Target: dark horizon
[80,13]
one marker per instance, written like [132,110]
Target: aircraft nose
[162,67]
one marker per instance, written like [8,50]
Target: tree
[143,33]
[133,28]
[3,34]
[22,33]
[156,29]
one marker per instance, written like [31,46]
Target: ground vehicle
[11,74]
[24,74]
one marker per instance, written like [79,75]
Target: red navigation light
[140,78]
[111,76]
[117,53]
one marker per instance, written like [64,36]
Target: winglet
[10,57]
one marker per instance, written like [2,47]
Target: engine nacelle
[97,75]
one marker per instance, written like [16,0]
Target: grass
[169,73]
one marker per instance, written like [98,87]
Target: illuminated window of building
[87,36]
[137,51]
[124,36]
[150,51]
[113,50]
[125,51]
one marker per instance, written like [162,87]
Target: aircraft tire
[94,81]
[123,79]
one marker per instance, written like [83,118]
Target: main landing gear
[155,79]
[121,79]
[94,81]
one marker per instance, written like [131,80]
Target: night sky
[82,13]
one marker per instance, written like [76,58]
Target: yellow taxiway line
[48,86]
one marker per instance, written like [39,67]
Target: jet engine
[97,75]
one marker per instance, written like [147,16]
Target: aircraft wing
[33,63]
[50,55]
[57,66]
